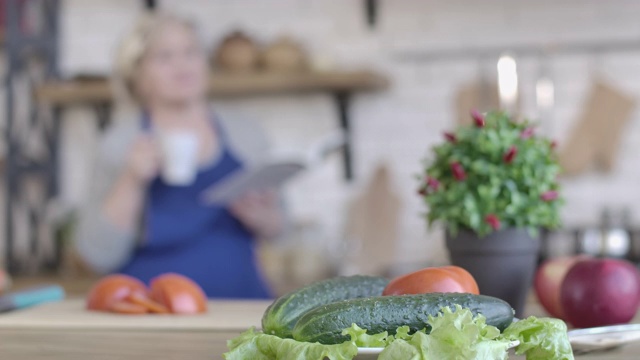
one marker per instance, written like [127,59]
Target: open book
[274,173]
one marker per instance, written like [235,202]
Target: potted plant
[493,185]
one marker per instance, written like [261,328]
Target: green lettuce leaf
[455,335]
[541,339]
[259,346]
[402,333]
[361,339]
[401,349]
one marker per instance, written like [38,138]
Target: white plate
[369,351]
[372,353]
[603,337]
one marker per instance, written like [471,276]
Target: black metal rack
[31,134]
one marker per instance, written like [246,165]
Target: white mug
[179,157]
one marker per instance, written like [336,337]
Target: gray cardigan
[105,247]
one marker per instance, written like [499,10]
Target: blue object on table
[30,297]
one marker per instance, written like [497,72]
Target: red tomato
[125,307]
[437,279]
[112,289]
[178,293]
[144,300]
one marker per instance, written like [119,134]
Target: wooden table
[36,342]
[125,345]
[102,345]
[65,331]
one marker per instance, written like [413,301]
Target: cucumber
[386,313]
[282,314]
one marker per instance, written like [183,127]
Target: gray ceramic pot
[503,263]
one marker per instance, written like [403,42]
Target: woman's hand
[260,212]
[124,203]
[143,160]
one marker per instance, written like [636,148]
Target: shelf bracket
[343,102]
[371,9]
[150,4]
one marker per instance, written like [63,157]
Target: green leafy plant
[495,173]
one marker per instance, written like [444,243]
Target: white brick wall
[419,106]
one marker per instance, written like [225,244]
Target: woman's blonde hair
[136,44]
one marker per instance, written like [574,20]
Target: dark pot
[503,262]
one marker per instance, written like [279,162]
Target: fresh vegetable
[386,313]
[179,294]
[142,299]
[437,279]
[253,345]
[360,337]
[548,280]
[280,318]
[125,307]
[456,335]
[600,292]
[111,290]
[541,339]
[170,293]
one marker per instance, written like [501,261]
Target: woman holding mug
[146,215]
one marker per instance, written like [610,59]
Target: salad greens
[455,334]
[541,338]
[252,345]
[360,337]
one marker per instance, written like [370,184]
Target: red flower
[549,195]
[510,155]
[493,221]
[478,119]
[433,183]
[458,171]
[450,137]
[527,133]
[554,144]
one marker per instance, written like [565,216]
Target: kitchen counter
[221,316]
[158,345]
[65,331]
[39,344]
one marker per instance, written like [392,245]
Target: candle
[507,82]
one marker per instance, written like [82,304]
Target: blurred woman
[140,224]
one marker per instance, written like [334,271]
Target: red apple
[548,280]
[600,292]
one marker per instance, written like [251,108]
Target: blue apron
[202,241]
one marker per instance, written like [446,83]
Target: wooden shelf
[98,92]
[70,92]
